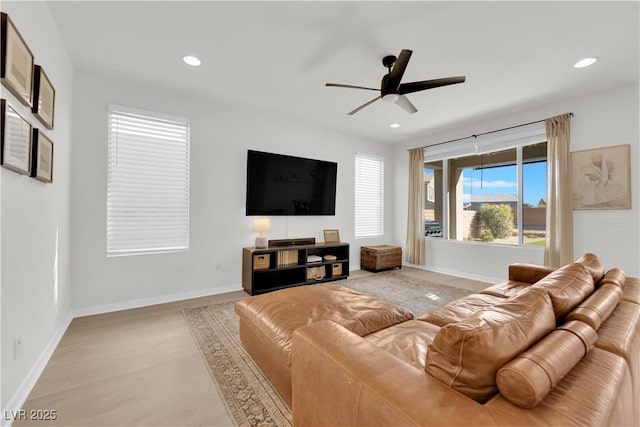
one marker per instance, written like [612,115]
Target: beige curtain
[415,222]
[558,249]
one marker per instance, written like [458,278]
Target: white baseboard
[144,302]
[24,389]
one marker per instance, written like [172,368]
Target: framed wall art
[42,157]
[601,178]
[331,236]
[15,140]
[44,97]
[16,72]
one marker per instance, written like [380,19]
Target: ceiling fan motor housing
[387,93]
[388,61]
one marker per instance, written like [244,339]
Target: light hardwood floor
[142,367]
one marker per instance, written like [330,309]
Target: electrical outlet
[17,342]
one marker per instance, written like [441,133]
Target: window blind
[369,196]
[147,183]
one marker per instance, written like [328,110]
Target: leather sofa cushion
[615,276]
[460,309]
[631,291]
[466,355]
[529,273]
[596,392]
[618,334]
[598,307]
[528,378]
[407,341]
[506,289]
[593,264]
[278,314]
[568,286]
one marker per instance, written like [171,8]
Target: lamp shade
[261,224]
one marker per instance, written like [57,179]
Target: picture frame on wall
[15,140]
[331,236]
[44,97]
[601,178]
[16,71]
[42,157]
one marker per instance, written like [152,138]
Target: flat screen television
[285,185]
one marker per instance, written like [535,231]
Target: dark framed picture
[16,71]
[42,157]
[331,236]
[15,140]
[44,97]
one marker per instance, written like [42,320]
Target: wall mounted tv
[287,185]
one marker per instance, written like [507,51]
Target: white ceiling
[279,55]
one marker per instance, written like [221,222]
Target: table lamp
[260,225]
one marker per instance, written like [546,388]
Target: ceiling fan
[392,90]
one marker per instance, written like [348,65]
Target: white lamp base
[261,241]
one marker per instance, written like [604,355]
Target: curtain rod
[484,133]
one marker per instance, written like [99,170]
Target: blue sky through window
[503,180]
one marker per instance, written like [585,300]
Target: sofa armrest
[340,379]
[528,273]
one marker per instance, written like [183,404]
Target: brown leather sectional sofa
[543,348]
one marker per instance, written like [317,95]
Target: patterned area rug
[248,395]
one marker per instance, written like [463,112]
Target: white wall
[36,295]
[221,133]
[603,119]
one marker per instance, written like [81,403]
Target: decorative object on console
[15,140]
[260,225]
[601,178]
[312,259]
[16,72]
[42,157]
[331,236]
[44,97]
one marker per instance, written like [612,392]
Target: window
[147,183]
[497,196]
[369,196]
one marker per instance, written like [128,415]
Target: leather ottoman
[267,323]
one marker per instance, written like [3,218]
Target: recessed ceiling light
[585,62]
[394,125]
[191,60]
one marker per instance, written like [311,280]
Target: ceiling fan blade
[428,84]
[350,86]
[350,113]
[406,105]
[393,81]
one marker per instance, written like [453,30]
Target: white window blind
[147,183]
[369,196]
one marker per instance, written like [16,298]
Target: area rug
[250,399]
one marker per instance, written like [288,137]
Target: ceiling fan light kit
[391,88]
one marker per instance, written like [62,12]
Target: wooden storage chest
[381,257]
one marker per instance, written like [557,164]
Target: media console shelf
[265,270]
